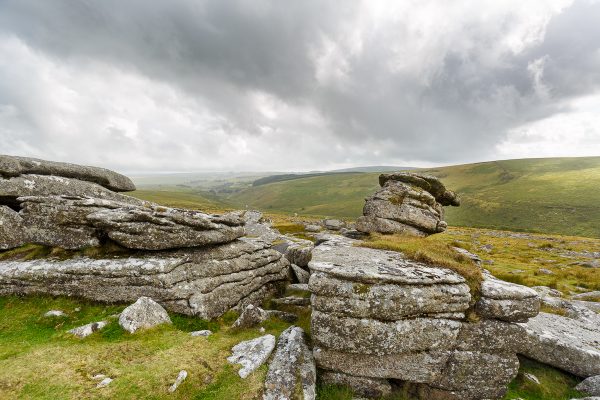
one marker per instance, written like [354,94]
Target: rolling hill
[553,195]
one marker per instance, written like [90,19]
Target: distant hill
[554,195]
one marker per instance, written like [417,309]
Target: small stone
[545,271]
[55,313]
[301,275]
[251,354]
[590,386]
[180,378]
[301,287]
[312,228]
[251,316]
[204,333]
[144,313]
[262,329]
[532,378]
[104,383]
[87,329]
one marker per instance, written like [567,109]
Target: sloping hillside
[554,195]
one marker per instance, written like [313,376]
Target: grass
[38,360]
[180,198]
[554,384]
[432,250]
[557,195]
[518,258]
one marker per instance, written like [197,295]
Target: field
[553,195]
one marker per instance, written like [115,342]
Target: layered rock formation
[407,203]
[380,318]
[189,261]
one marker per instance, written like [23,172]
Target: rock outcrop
[408,203]
[188,261]
[378,316]
[204,281]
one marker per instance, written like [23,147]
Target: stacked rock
[379,319]
[409,203]
[191,262]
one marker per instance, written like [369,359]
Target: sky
[253,85]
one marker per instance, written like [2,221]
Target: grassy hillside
[554,195]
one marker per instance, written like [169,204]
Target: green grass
[39,360]
[554,384]
[180,198]
[555,195]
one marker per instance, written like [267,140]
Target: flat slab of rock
[206,282]
[507,301]
[345,261]
[569,344]
[143,314]
[251,354]
[387,301]
[368,336]
[284,369]
[87,329]
[76,222]
[12,166]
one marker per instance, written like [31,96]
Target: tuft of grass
[432,251]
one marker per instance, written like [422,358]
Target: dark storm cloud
[383,88]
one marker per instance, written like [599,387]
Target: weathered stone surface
[55,314]
[344,261]
[590,386]
[202,333]
[476,375]
[178,381]
[490,336]
[292,301]
[258,228]
[308,373]
[386,301]
[11,166]
[12,231]
[301,274]
[362,386]
[251,316]
[87,329]
[281,380]
[407,203]
[587,296]
[299,252]
[414,367]
[333,224]
[201,281]
[507,301]
[144,313]
[368,336]
[569,344]
[76,222]
[41,185]
[251,354]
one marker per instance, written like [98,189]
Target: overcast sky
[189,85]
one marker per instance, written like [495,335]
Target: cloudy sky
[191,85]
